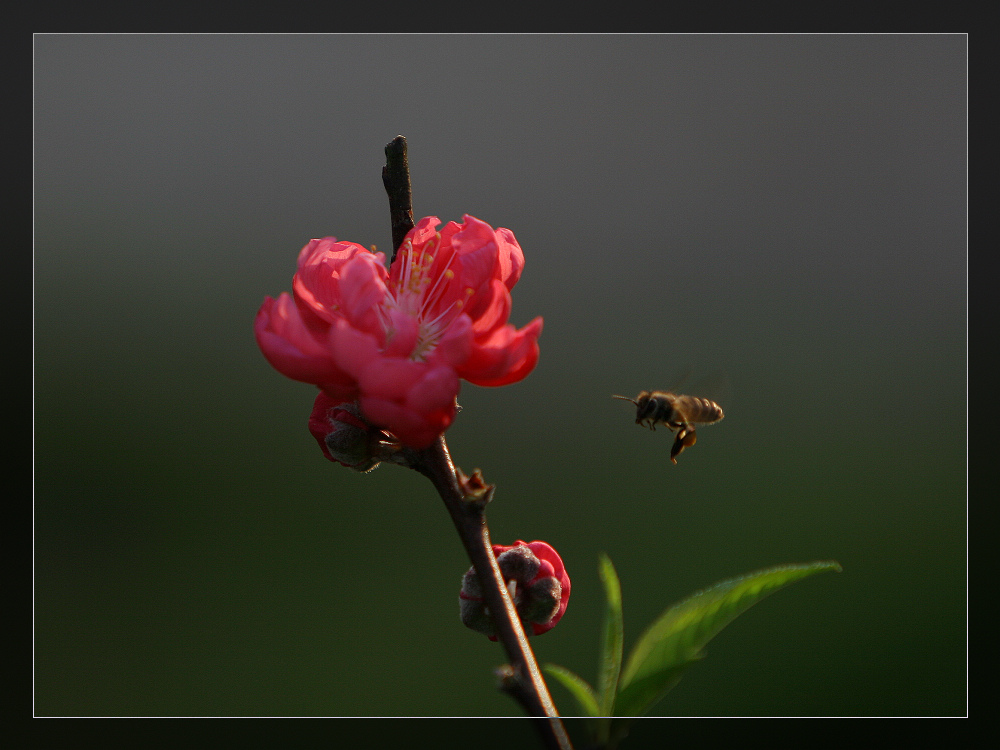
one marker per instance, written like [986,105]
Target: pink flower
[399,341]
[538,584]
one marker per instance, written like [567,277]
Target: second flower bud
[536,580]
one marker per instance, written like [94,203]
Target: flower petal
[406,424]
[507,356]
[435,392]
[490,307]
[316,283]
[390,377]
[477,249]
[455,344]
[362,289]
[510,259]
[290,346]
[352,350]
[424,230]
[402,335]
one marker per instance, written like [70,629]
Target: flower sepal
[474,488]
[344,436]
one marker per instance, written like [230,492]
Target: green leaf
[676,639]
[612,644]
[642,693]
[612,638]
[577,686]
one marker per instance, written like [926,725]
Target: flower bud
[536,580]
[343,436]
[474,488]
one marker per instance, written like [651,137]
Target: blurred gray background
[781,215]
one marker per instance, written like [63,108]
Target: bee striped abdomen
[698,409]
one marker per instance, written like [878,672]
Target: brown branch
[522,679]
[396,179]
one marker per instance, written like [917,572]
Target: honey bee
[677,412]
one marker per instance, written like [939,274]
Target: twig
[521,679]
[396,179]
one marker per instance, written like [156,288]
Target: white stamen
[431,324]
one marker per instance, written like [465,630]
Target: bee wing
[679,379]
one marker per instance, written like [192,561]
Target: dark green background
[785,215]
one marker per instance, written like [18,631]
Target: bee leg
[686,437]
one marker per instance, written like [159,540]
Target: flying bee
[678,412]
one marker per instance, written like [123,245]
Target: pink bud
[537,581]
[342,435]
